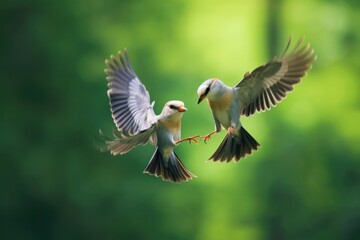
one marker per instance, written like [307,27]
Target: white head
[173,110]
[209,88]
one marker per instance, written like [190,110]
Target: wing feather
[129,100]
[269,84]
[123,144]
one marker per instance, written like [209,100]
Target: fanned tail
[172,170]
[235,146]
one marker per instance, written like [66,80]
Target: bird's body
[134,116]
[222,106]
[168,132]
[258,91]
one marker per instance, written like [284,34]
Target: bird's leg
[193,138]
[208,137]
[230,130]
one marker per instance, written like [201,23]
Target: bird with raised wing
[258,91]
[135,118]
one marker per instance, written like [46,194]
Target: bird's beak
[200,98]
[182,109]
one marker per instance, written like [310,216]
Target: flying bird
[258,91]
[135,118]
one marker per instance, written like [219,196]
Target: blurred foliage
[303,183]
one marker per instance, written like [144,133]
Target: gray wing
[268,85]
[122,144]
[129,100]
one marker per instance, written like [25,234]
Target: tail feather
[235,147]
[172,170]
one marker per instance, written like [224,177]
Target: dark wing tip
[276,83]
[287,46]
[296,47]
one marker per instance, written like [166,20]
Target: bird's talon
[207,137]
[194,139]
[230,130]
[188,139]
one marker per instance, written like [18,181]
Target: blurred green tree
[54,184]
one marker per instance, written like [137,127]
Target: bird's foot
[230,130]
[193,138]
[207,137]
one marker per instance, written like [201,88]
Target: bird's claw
[193,138]
[207,137]
[230,130]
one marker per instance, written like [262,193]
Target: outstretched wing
[122,145]
[268,85]
[129,100]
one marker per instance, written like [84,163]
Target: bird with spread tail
[135,118]
[258,91]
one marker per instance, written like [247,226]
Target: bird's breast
[222,102]
[220,108]
[171,126]
[168,132]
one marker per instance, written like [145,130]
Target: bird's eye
[207,90]
[172,107]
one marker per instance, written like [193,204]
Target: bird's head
[209,88]
[174,109]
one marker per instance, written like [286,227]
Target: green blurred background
[303,183]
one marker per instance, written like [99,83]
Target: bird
[258,91]
[137,123]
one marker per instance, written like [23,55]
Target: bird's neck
[172,123]
[218,93]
